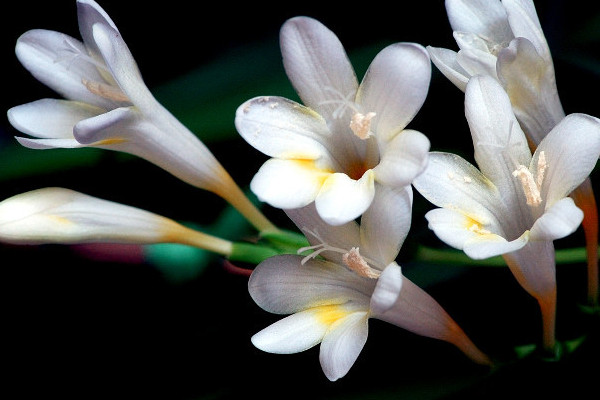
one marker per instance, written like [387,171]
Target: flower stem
[238,200]
[584,199]
[548,310]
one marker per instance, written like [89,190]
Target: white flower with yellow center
[346,136]
[516,204]
[108,106]
[349,277]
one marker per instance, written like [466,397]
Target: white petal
[56,215]
[88,14]
[485,246]
[530,83]
[342,344]
[342,199]
[559,221]
[445,61]
[571,150]
[385,224]
[123,67]
[395,87]
[475,61]
[454,228]
[282,128]
[524,22]
[282,285]
[418,312]
[288,183]
[402,159]
[387,289]
[451,182]
[44,144]
[50,118]
[483,17]
[169,146]
[500,144]
[293,334]
[62,63]
[317,65]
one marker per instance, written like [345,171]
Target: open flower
[504,40]
[516,204]
[346,136]
[108,106]
[331,297]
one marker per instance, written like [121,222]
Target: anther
[361,124]
[104,90]
[357,263]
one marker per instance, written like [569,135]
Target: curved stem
[584,199]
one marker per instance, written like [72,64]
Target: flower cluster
[342,166]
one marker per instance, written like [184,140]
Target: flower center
[351,258]
[532,186]
[104,90]
[360,123]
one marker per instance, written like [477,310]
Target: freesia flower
[331,297]
[504,40]
[108,106]
[346,137]
[63,216]
[516,204]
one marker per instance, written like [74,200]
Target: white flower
[346,136]
[63,216]
[504,40]
[516,204]
[108,106]
[331,297]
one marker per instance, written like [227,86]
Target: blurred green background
[171,323]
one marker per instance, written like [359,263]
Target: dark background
[77,327]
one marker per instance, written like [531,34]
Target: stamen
[541,169]
[530,187]
[361,124]
[357,263]
[103,90]
[344,102]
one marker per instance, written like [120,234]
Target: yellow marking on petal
[60,220]
[321,174]
[475,226]
[328,314]
[108,142]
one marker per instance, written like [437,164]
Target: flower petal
[342,344]
[454,228]
[171,147]
[402,159]
[474,60]
[90,13]
[571,150]
[531,86]
[385,224]
[61,63]
[342,199]
[387,289]
[395,87]
[559,221]
[50,118]
[282,128]
[293,334]
[283,285]
[445,61]
[288,183]
[56,215]
[317,65]
[451,182]
[525,23]
[534,267]
[482,17]
[490,245]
